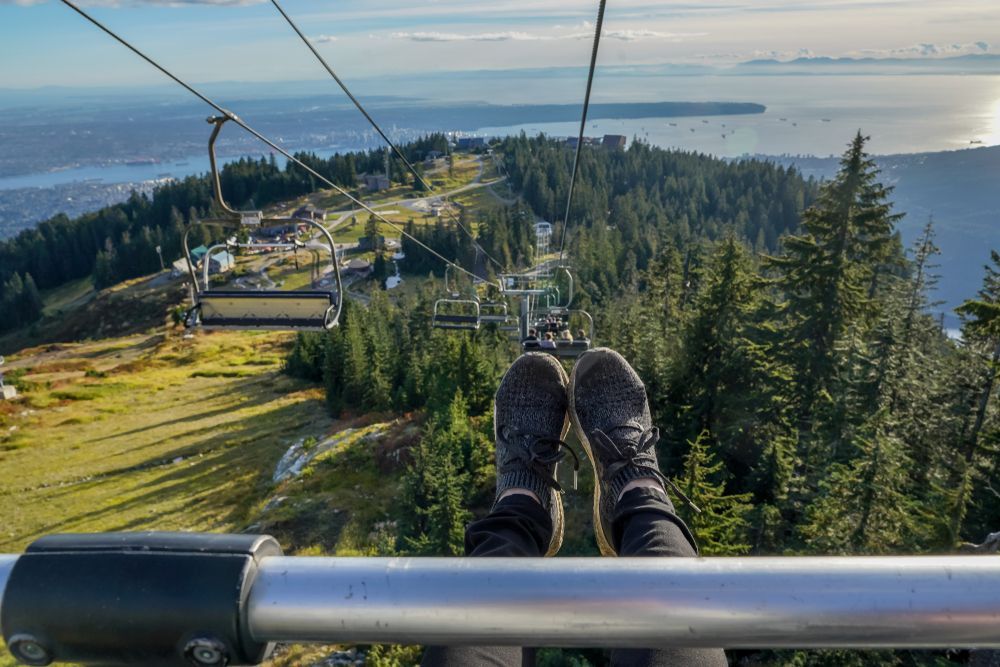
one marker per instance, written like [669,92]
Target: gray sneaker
[529,425]
[609,410]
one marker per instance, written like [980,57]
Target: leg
[517,526]
[645,525]
[526,519]
[632,513]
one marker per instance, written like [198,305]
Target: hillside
[162,431]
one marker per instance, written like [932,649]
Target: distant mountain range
[973,60]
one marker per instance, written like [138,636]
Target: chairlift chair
[270,309]
[564,349]
[456,315]
[493,313]
[498,315]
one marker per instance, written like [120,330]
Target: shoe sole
[555,498]
[559,524]
[602,542]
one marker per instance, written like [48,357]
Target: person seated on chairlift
[549,342]
[566,336]
[531,342]
[581,336]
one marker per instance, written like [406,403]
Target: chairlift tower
[543,239]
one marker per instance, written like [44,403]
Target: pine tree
[826,276]
[434,486]
[864,506]
[722,356]
[371,233]
[721,527]
[981,331]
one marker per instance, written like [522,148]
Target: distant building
[587,141]
[376,182]
[359,266]
[469,143]
[180,268]
[221,262]
[433,155]
[290,229]
[614,142]
[310,213]
[198,253]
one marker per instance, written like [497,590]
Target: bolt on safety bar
[186,598]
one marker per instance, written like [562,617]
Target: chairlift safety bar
[815,602]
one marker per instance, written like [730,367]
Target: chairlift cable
[368,117]
[583,124]
[239,121]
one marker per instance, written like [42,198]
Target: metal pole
[907,602]
[914,602]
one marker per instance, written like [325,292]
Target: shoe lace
[626,451]
[537,453]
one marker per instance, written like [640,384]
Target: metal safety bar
[890,602]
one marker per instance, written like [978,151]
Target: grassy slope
[149,430]
[155,431]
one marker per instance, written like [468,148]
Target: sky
[44,43]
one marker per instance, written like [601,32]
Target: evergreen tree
[721,527]
[723,355]
[864,506]
[371,233]
[825,276]
[434,486]
[981,331]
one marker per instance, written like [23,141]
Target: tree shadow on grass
[260,397]
[227,473]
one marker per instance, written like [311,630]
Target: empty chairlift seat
[236,309]
[493,313]
[456,314]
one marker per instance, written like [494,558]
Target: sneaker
[609,410]
[529,425]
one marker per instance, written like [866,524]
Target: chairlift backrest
[456,314]
[494,313]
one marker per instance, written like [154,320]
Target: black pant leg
[517,526]
[645,524]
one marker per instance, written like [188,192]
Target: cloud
[577,32]
[510,36]
[925,50]
[322,39]
[638,35]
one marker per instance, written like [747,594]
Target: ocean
[806,115]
